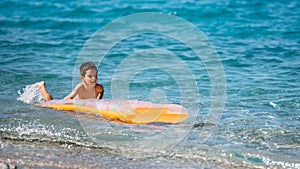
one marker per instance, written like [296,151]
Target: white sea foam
[30,94]
[273,104]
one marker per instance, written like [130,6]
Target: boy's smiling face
[90,78]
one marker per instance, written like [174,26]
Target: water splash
[30,95]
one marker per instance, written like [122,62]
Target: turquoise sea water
[257,43]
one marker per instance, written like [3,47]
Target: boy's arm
[70,96]
[73,93]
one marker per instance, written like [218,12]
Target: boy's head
[87,66]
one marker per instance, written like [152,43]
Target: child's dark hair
[87,66]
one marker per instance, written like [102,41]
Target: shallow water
[258,46]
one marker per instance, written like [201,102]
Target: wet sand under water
[27,154]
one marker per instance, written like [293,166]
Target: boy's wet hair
[87,66]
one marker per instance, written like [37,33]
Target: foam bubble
[30,95]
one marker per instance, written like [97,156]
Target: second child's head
[89,73]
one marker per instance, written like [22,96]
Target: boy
[87,89]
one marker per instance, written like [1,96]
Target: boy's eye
[90,76]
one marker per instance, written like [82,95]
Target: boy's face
[90,78]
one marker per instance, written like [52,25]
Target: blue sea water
[257,43]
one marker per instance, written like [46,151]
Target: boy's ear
[81,77]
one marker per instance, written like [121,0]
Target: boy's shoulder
[79,85]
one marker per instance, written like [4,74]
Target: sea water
[257,43]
